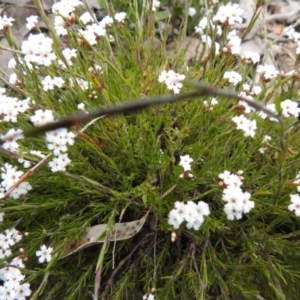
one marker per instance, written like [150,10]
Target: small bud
[173,236]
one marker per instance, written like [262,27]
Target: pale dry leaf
[121,231]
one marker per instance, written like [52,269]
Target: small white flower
[250,57]
[87,18]
[192,11]
[289,108]
[185,162]
[32,22]
[44,254]
[266,139]
[106,22]
[81,106]
[5,22]
[155,5]
[120,17]
[42,117]
[233,46]
[295,204]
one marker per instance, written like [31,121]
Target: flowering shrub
[235,232]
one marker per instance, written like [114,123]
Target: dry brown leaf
[121,231]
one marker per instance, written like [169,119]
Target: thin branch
[202,90]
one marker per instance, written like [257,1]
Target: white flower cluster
[68,54]
[11,107]
[267,72]
[38,49]
[232,77]
[237,201]
[289,108]
[248,126]
[172,80]
[50,83]
[44,254]
[12,287]
[190,212]
[57,140]
[11,175]
[93,33]
[229,14]
[65,7]
[7,240]
[11,138]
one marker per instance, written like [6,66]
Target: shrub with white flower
[115,183]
